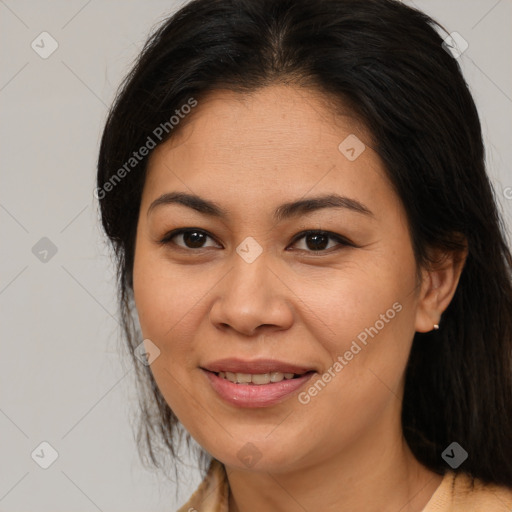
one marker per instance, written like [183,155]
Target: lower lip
[255,395]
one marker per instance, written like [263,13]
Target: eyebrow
[284,211]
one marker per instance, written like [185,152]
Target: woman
[303,224]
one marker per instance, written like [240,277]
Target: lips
[256,383]
[255,396]
[258,366]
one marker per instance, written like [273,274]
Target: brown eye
[193,239]
[190,238]
[318,241]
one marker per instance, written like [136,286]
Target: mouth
[258,390]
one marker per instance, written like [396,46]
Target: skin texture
[249,153]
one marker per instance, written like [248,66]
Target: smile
[257,379]
[256,390]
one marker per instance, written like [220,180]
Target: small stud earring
[436,327]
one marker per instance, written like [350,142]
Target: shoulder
[213,492]
[458,492]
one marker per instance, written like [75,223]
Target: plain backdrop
[62,378]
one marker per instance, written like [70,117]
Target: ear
[438,286]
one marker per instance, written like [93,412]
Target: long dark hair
[386,61]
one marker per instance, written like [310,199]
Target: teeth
[260,378]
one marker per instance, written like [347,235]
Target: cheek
[164,299]
[364,321]
[164,294]
[365,301]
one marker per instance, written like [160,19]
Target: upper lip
[257,366]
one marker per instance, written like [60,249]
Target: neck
[369,476]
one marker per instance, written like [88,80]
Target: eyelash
[342,241]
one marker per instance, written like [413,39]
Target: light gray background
[62,378]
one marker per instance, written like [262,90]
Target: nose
[252,299]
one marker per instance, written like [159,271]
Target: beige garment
[454,494]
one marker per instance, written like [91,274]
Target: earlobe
[427,313]
[438,287]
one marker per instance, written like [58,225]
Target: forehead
[273,142]
[265,119]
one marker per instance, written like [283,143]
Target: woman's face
[244,283]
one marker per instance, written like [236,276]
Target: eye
[314,240]
[318,241]
[191,238]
